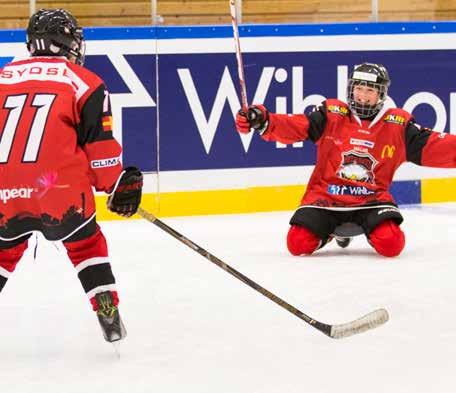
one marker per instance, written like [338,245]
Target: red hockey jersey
[357,159]
[56,143]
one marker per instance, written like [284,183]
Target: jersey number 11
[16,103]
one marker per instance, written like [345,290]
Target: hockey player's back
[43,142]
[56,146]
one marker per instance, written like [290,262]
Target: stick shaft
[326,329]
[240,64]
[370,321]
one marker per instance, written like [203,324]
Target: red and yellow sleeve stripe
[107,123]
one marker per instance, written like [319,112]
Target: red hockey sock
[90,259]
[301,240]
[9,257]
[387,239]
[93,246]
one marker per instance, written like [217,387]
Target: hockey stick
[367,322]
[240,64]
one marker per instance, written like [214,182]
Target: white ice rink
[193,328]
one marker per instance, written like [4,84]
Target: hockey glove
[126,194]
[257,118]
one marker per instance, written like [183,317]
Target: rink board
[174,94]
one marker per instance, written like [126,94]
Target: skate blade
[116,346]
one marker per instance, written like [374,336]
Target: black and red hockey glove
[126,194]
[257,117]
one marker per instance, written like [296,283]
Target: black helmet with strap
[55,32]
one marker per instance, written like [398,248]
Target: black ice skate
[109,318]
[343,242]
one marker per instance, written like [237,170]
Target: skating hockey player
[56,145]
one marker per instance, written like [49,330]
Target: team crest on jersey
[396,119]
[357,166]
[340,110]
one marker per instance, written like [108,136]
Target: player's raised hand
[242,123]
[257,118]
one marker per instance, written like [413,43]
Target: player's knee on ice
[387,239]
[301,241]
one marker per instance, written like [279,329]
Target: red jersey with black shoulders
[56,145]
[357,159]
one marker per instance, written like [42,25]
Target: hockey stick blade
[368,322]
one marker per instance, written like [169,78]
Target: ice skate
[109,318]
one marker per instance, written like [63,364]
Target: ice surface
[192,327]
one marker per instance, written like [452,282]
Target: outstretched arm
[282,128]
[430,148]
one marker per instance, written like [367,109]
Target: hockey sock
[90,259]
[9,258]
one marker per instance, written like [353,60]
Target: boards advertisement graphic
[175,94]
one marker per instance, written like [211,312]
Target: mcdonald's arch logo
[388,151]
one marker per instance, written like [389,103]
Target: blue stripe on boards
[224,31]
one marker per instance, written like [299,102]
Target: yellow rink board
[438,190]
[191,203]
[250,200]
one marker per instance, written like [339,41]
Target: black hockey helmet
[371,75]
[55,32]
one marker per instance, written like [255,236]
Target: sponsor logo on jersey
[388,151]
[362,142]
[335,189]
[337,141]
[396,119]
[13,193]
[361,149]
[357,166]
[341,110]
[361,131]
[107,162]
[42,71]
